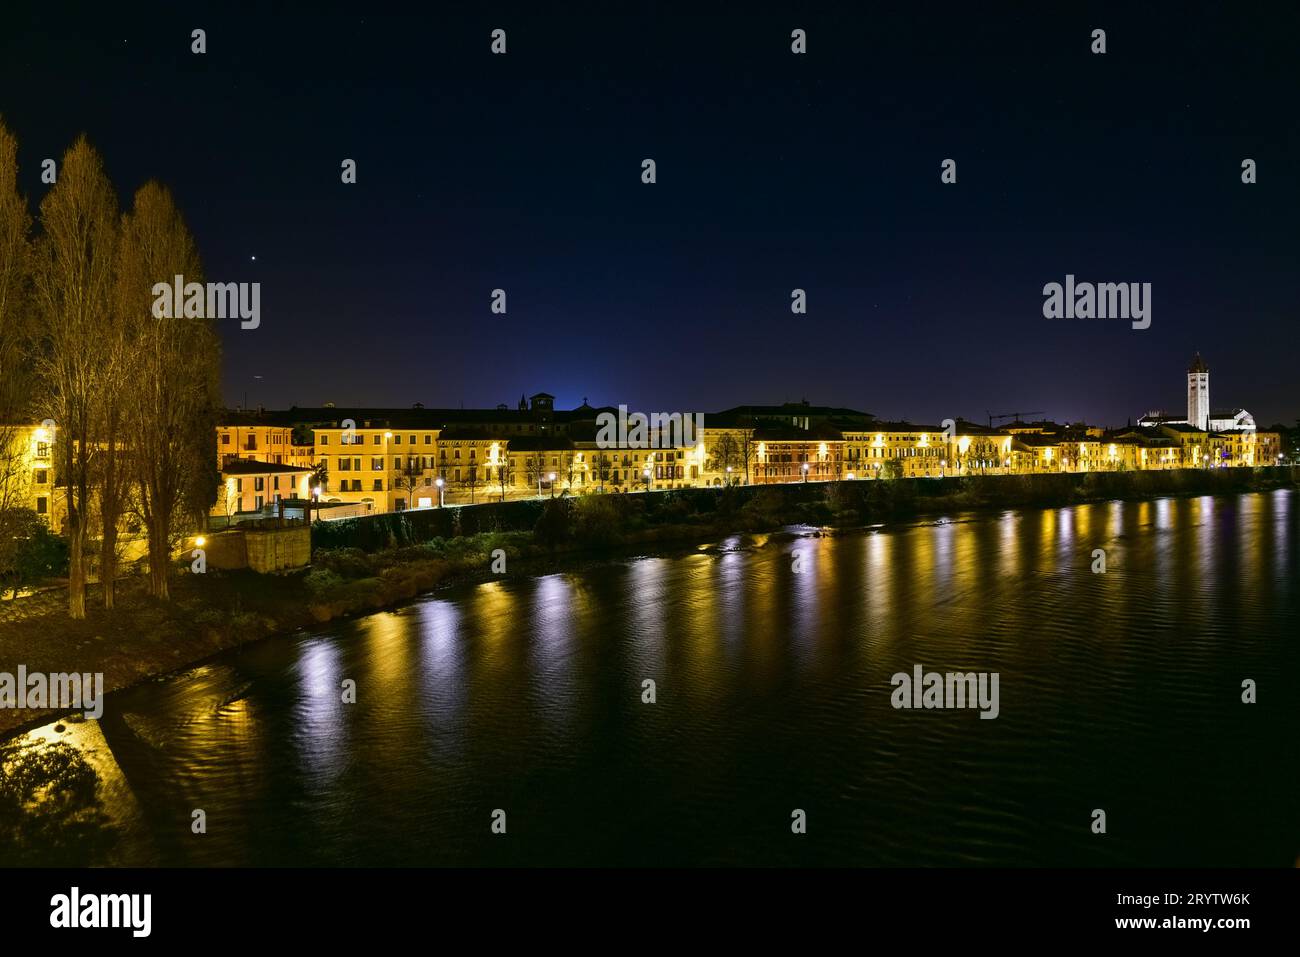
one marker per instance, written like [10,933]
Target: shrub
[599,520]
[29,551]
[322,584]
[554,527]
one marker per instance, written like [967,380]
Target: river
[772,660]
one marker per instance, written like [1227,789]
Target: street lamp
[805,471]
[851,476]
[551,478]
[440,483]
[729,474]
[646,473]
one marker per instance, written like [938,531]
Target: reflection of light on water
[1083,521]
[706,607]
[941,555]
[388,649]
[438,620]
[320,732]
[1281,507]
[317,670]
[114,797]
[1009,552]
[1250,538]
[1065,528]
[551,612]
[878,590]
[645,582]
[806,594]
[532,687]
[551,643]
[1047,539]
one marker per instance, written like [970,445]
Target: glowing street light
[551,478]
[805,471]
[441,484]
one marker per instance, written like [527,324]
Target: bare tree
[111,468]
[534,469]
[471,481]
[748,449]
[410,476]
[15,333]
[725,456]
[74,275]
[601,464]
[568,468]
[175,395]
[503,475]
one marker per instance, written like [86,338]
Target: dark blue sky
[775,171]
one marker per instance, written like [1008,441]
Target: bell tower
[1198,393]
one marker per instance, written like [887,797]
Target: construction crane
[1014,416]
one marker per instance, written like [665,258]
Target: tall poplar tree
[73,271]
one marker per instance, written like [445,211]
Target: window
[259,484]
[259,502]
[397,440]
[376,440]
[225,438]
[325,440]
[379,485]
[428,439]
[42,450]
[41,505]
[376,464]
[412,442]
[345,465]
[41,476]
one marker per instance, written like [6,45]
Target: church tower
[1198,393]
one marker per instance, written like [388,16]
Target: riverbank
[217,611]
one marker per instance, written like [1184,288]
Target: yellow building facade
[27,477]
[386,469]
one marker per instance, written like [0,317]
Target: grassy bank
[363,565]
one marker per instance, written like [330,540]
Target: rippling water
[1119,691]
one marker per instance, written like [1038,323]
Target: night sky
[775,171]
